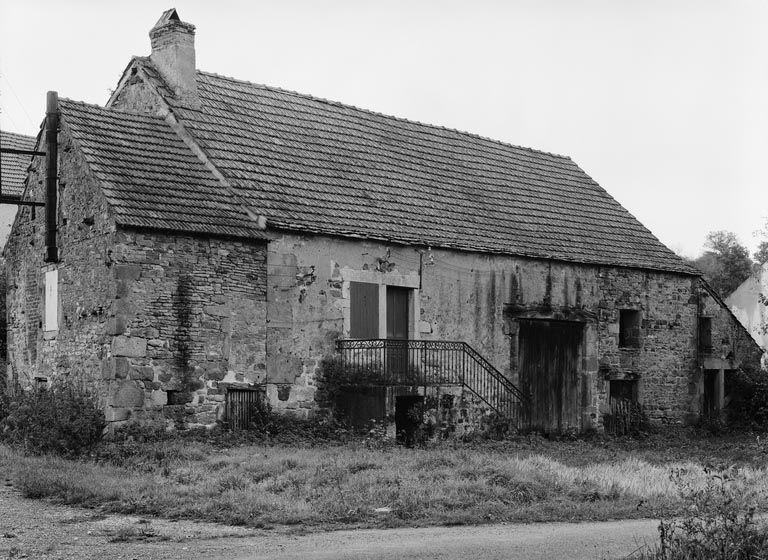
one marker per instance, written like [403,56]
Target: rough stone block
[128,395]
[159,398]
[127,271]
[121,368]
[114,368]
[123,289]
[214,370]
[108,368]
[142,373]
[130,347]
[116,325]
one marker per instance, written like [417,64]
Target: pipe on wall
[51,175]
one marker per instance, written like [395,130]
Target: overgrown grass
[327,486]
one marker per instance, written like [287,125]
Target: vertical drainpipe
[51,176]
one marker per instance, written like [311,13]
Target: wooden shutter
[705,335]
[397,313]
[363,310]
[51,318]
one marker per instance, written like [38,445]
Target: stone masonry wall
[141,315]
[478,299]
[189,320]
[85,286]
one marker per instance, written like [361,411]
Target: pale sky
[662,102]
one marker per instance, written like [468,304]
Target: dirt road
[39,530]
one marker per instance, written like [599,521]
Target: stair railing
[425,363]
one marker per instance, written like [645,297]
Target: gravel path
[40,530]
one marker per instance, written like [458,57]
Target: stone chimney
[173,54]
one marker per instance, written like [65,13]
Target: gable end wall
[85,278]
[140,313]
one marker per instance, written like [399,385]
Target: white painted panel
[51,300]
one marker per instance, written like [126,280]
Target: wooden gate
[549,372]
[240,404]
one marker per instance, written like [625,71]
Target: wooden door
[549,372]
[397,329]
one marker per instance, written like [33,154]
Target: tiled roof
[315,165]
[149,176]
[13,167]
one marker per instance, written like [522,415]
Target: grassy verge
[330,486]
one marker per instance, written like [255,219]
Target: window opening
[630,332]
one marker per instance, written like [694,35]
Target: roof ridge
[175,122]
[141,171]
[385,115]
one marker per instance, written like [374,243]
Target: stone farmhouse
[215,239]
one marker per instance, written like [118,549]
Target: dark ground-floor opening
[409,410]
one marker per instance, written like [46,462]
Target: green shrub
[748,390]
[717,524]
[56,419]
[334,377]
[712,424]
[286,428]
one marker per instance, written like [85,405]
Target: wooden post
[720,390]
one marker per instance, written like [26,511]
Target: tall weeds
[717,522]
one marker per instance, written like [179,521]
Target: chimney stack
[173,54]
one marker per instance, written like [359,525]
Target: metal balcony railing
[425,363]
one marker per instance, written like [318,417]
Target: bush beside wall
[56,419]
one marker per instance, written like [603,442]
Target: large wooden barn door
[549,353]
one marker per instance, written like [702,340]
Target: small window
[623,390]
[176,397]
[705,335]
[51,300]
[630,331]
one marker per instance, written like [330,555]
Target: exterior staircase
[390,362]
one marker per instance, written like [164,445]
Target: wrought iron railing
[430,363]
